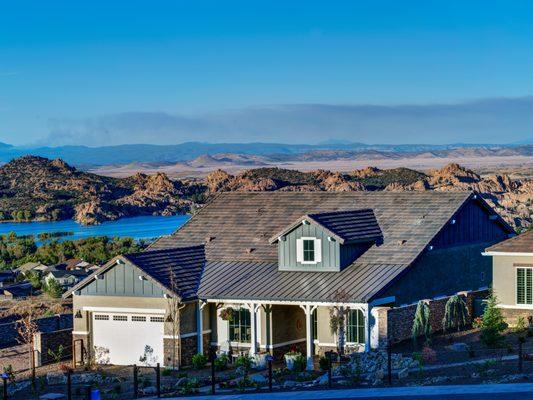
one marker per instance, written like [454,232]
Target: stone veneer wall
[395,324]
[189,348]
[44,341]
[9,335]
[511,315]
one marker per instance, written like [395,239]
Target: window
[100,317]
[240,327]
[120,317]
[355,327]
[157,319]
[524,286]
[315,325]
[137,318]
[309,250]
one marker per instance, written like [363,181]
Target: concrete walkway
[496,391]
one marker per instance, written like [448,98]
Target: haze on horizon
[166,72]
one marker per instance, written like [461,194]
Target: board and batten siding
[287,249]
[122,280]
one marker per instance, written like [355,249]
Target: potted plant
[291,357]
[260,360]
[227,314]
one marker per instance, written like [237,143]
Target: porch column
[253,307]
[200,327]
[367,327]
[308,309]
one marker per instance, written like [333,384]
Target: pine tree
[493,323]
[455,313]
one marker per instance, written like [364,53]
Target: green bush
[166,372]
[300,363]
[221,362]
[199,361]
[245,362]
[323,362]
[521,326]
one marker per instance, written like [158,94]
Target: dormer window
[308,250]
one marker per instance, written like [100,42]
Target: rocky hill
[42,189]
[36,188]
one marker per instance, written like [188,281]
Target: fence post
[69,384]
[520,356]
[135,382]
[329,368]
[4,380]
[88,390]
[212,356]
[270,373]
[32,360]
[158,379]
[389,363]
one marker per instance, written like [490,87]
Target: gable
[122,280]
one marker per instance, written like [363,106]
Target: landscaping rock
[86,377]
[53,396]
[290,384]
[56,378]
[150,390]
[259,379]
[459,347]
[181,382]
[404,373]
[322,380]
[17,387]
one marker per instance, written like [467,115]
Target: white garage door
[122,339]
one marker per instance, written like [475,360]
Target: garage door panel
[124,337]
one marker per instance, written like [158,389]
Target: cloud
[498,120]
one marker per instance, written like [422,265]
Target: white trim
[80,332]
[517,306]
[504,253]
[186,335]
[124,310]
[276,345]
[361,306]
[317,254]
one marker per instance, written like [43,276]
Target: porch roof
[263,281]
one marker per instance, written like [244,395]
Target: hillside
[38,188]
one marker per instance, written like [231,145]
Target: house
[260,272]
[6,277]
[66,279]
[16,290]
[38,267]
[512,276]
[77,264]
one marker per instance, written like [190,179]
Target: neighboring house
[280,261]
[38,267]
[512,276]
[77,264]
[6,277]
[17,290]
[66,279]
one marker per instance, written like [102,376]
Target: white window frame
[525,288]
[300,250]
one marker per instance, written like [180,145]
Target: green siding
[122,280]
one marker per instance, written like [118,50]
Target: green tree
[421,323]
[493,323]
[455,313]
[34,279]
[53,288]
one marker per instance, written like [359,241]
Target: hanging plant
[421,322]
[455,314]
[227,314]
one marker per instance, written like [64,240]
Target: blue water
[146,227]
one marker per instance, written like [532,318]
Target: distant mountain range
[185,152]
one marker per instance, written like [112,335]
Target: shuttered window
[355,327]
[309,250]
[524,286]
[240,327]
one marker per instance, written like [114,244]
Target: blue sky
[110,72]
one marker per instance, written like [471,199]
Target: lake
[145,227]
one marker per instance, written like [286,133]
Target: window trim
[317,251]
[525,303]
[362,340]
[240,327]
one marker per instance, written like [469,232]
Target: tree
[175,305]
[455,313]
[53,288]
[27,328]
[493,323]
[421,323]
[34,279]
[337,319]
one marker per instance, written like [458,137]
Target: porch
[279,327]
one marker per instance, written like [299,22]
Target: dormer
[326,242]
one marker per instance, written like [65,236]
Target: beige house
[512,277]
[261,272]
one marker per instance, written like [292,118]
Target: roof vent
[250,250]
[401,242]
[209,239]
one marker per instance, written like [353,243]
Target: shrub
[493,323]
[455,313]
[323,362]
[166,372]
[221,362]
[199,361]
[421,324]
[244,361]
[429,355]
[300,363]
[520,325]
